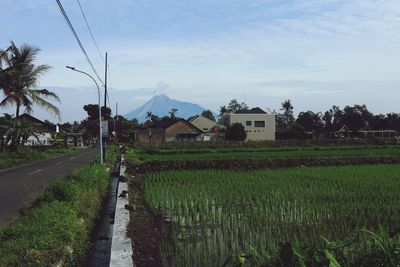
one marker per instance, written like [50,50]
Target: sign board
[104,128]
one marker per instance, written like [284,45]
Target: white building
[258,124]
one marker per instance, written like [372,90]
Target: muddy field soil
[144,228]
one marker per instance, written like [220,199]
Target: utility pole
[105,85]
[116,115]
[105,105]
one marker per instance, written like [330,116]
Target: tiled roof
[256,110]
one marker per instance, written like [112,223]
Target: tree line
[355,118]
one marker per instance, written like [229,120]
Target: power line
[90,30]
[94,41]
[78,40]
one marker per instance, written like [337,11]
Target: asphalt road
[19,186]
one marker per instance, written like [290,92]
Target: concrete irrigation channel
[111,245]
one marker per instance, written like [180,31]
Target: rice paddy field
[319,151]
[246,218]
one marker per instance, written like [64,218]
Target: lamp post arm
[98,92]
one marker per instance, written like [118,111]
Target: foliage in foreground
[210,215]
[56,229]
[380,249]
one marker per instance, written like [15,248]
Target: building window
[259,124]
[248,123]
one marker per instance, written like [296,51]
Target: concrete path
[19,186]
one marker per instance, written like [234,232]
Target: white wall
[256,133]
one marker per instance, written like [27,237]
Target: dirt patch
[144,228]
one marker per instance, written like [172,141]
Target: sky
[317,53]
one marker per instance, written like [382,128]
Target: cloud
[264,49]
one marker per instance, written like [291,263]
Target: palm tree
[172,113]
[16,131]
[149,115]
[19,79]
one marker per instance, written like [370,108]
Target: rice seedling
[216,215]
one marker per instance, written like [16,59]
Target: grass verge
[56,229]
[28,155]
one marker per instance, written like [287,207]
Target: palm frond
[7,101]
[36,99]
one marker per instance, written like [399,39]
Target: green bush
[236,132]
[56,229]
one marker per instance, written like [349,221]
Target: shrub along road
[20,185]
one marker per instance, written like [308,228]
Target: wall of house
[213,137]
[255,131]
[143,136]
[42,139]
[203,123]
[181,128]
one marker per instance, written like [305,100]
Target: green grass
[268,153]
[27,155]
[210,215]
[57,228]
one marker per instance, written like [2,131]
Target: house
[167,131]
[210,129]
[74,139]
[345,132]
[43,131]
[202,123]
[258,124]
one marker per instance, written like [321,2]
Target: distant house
[209,128]
[167,131]
[345,132]
[202,123]
[74,139]
[258,124]
[43,131]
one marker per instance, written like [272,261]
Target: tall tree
[172,113]
[152,117]
[287,117]
[208,114]
[393,121]
[356,117]
[310,121]
[232,107]
[19,78]
[327,119]
[93,111]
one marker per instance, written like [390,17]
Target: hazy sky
[318,53]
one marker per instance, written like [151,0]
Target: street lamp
[98,91]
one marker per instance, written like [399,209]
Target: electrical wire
[78,40]
[90,30]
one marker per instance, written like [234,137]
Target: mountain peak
[161,104]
